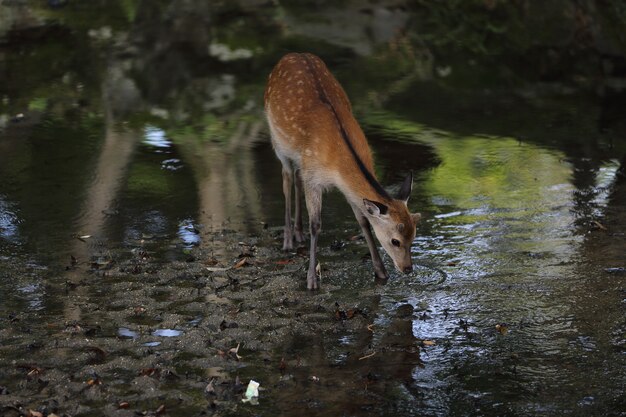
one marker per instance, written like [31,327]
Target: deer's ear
[405,189]
[374,208]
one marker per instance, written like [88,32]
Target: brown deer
[321,145]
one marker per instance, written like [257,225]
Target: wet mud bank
[135,335]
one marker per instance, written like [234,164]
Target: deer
[320,146]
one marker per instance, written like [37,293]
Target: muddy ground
[136,335]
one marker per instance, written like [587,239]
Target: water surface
[143,147]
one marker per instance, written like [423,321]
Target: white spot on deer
[300,82]
[308,152]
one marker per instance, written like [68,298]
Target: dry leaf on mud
[210,388]
[233,352]
[94,382]
[242,262]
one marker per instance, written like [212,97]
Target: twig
[367,356]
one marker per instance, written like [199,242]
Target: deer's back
[311,117]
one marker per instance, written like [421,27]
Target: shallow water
[153,152]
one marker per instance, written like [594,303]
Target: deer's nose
[408,269]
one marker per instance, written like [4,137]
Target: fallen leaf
[502,328]
[94,382]
[123,405]
[233,352]
[210,389]
[34,413]
[83,238]
[160,410]
[243,262]
[367,356]
[427,343]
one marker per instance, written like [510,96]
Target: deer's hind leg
[288,177]
[298,231]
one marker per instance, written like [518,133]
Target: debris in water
[617,270]
[367,356]
[342,315]
[210,389]
[252,392]
[92,382]
[242,262]
[233,352]
[218,269]
[598,225]
[502,328]
[424,343]
[337,245]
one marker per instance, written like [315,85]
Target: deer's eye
[395,242]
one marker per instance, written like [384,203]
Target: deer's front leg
[379,267]
[314,206]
